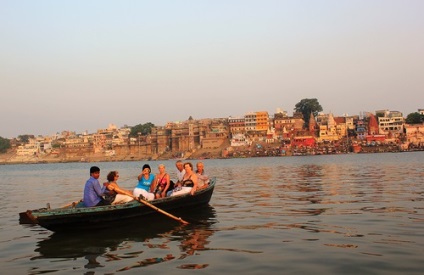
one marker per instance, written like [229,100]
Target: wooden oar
[160,210]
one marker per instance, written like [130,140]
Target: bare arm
[194,180]
[117,189]
[167,185]
[153,185]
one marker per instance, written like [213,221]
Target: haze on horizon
[81,65]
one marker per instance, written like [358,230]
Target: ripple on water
[344,214]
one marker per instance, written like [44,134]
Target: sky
[81,65]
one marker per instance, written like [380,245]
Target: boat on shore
[76,217]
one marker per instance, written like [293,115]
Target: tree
[414,118]
[4,144]
[307,106]
[144,129]
[25,138]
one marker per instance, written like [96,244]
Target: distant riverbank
[229,152]
[63,157]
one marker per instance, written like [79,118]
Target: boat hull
[75,218]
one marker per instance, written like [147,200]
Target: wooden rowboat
[77,245]
[75,217]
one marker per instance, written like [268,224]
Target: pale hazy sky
[80,65]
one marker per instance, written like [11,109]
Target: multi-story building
[77,141]
[253,124]
[184,136]
[329,130]
[237,125]
[285,126]
[415,134]
[120,137]
[262,122]
[361,128]
[189,135]
[390,123]
[216,133]
[250,122]
[28,149]
[240,140]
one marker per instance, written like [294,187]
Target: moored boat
[75,217]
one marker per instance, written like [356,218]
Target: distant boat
[76,217]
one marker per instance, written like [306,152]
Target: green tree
[307,106]
[25,138]
[144,129]
[414,118]
[4,144]
[55,145]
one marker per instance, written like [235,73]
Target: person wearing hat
[145,186]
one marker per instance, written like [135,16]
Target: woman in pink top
[161,182]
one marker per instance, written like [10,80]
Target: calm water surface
[350,214]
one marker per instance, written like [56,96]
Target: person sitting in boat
[116,194]
[189,181]
[162,182]
[179,164]
[202,178]
[145,186]
[93,192]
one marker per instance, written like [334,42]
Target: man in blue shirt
[93,192]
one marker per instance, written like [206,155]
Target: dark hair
[94,169]
[189,164]
[146,166]
[111,176]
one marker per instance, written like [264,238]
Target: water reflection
[156,233]
[196,240]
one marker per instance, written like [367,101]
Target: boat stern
[27,218]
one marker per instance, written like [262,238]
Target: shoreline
[191,157]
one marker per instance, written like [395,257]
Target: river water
[334,214]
